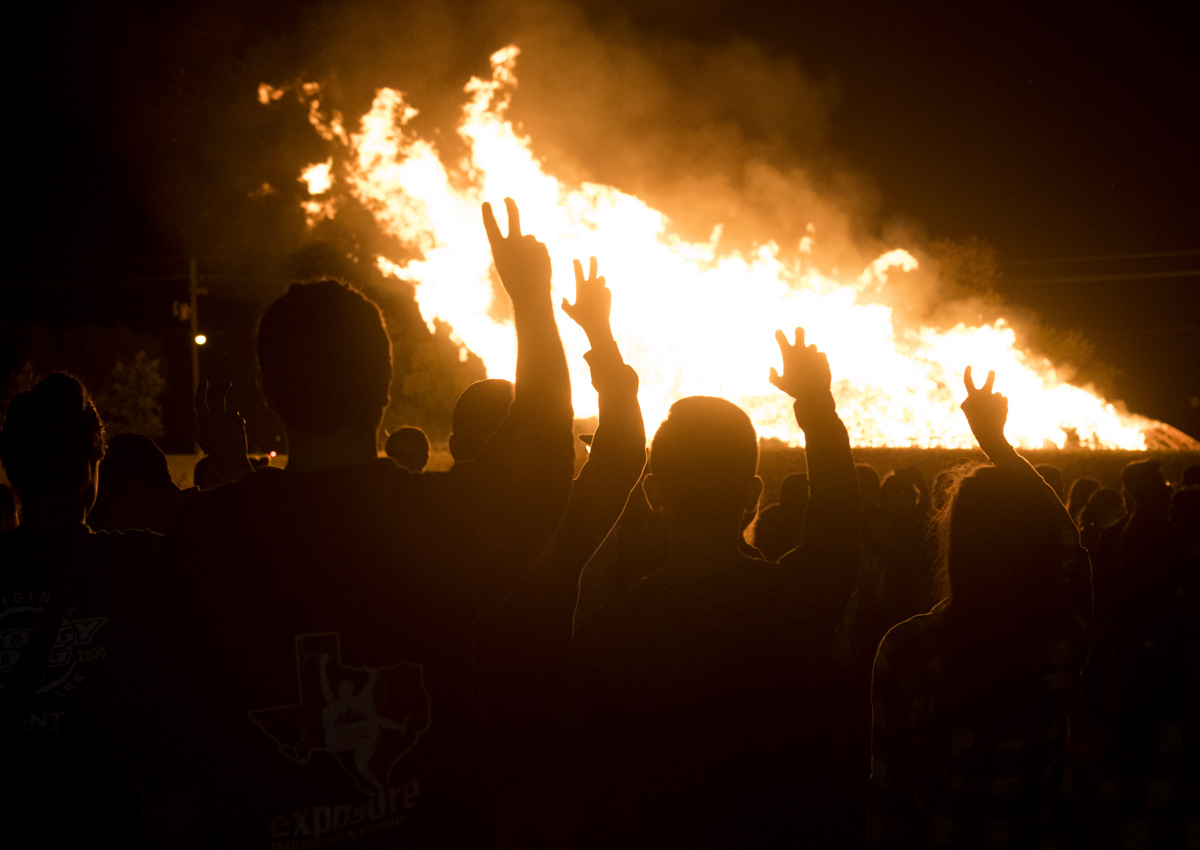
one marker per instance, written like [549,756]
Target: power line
[1102,278]
[1154,255]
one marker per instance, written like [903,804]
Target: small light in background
[273,454]
[201,339]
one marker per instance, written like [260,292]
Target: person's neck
[53,513]
[346,446]
[702,548]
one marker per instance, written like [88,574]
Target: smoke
[709,131]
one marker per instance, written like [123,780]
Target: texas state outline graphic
[366,718]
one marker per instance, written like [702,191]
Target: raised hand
[522,262]
[986,411]
[593,305]
[805,369]
[222,430]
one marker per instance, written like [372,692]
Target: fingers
[200,402]
[225,396]
[568,308]
[799,337]
[489,225]
[774,376]
[782,340]
[514,218]
[969,382]
[592,269]
[579,274]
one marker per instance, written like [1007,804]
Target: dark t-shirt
[697,708]
[308,664]
[68,772]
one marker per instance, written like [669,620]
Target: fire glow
[690,319]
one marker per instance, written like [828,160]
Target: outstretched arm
[830,539]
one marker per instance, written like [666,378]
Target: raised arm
[532,449]
[222,432]
[987,414]
[524,268]
[831,533]
[523,643]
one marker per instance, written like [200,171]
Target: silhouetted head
[1191,476]
[409,448]
[1144,484]
[207,474]
[1103,509]
[135,485]
[868,485]
[135,457]
[999,542]
[52,444]
[1053,476]
[793,492]
[477,414]
[703,461]
[325,358]
[1081,490]
[898,495]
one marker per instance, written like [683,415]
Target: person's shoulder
[134,542]
[912,635]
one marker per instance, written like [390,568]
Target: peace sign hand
[805,368]
[522,262]
[593,305]
[986,411]
[222,430]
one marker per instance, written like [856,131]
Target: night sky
[1065,136]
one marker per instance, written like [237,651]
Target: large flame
[691,320]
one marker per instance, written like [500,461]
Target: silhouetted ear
[754,488]
[653,491]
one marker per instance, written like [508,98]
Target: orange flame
[690,319]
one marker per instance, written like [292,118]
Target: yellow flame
[318,177]
[690,319]
[268,93]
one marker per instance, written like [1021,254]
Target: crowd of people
[354,651]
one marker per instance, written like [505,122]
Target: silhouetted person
[207,474]
[1081,490]
[777,527]
[477,414]
[347,569]
[68,605]
[1104,509]
[409,448]
[136,489]
[969,723]
[697,694]
[523,643]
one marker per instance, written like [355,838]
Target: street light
[201,339]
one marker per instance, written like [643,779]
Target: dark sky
[1054,132]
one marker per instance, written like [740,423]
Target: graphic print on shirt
[71,646]
[365,718]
